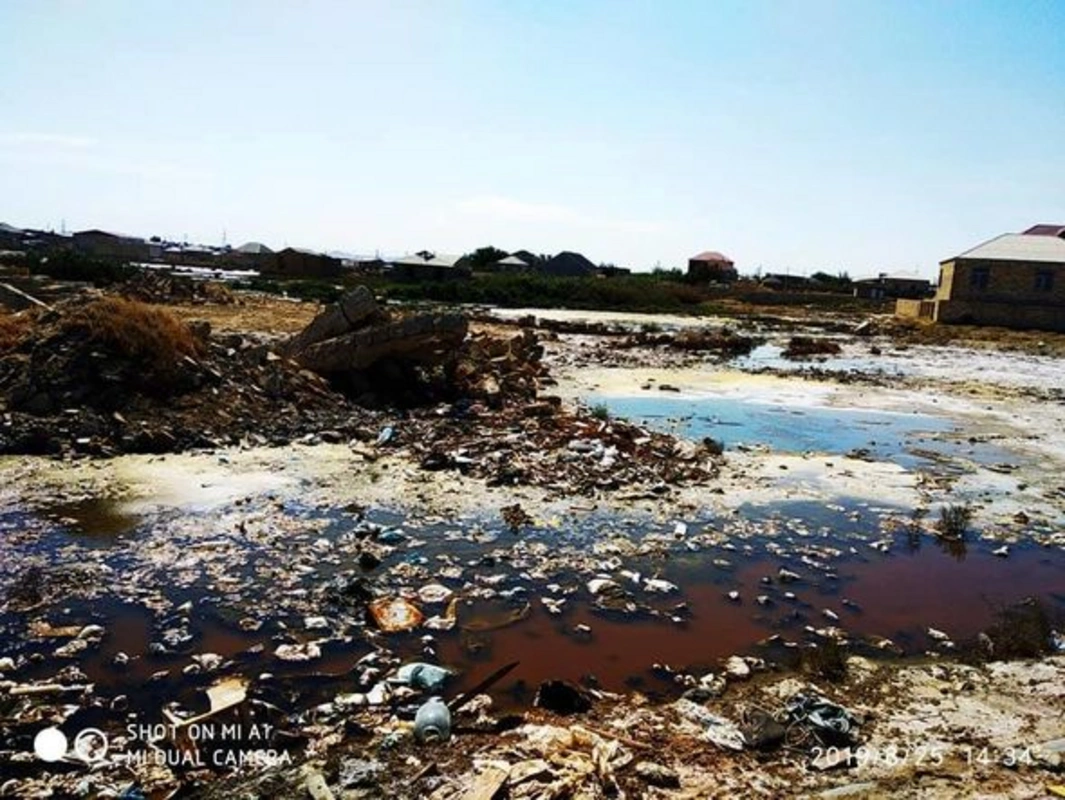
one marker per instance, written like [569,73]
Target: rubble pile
[724,341]
[153,286]
[108,376]
[808,346]
[497,370]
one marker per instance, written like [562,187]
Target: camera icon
[91,745]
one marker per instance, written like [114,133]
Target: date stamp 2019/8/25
[933,755]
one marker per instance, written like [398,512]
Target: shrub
[954,521]
[1021,630]
[70,265]
[135,330]
[601,411]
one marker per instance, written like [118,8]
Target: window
[979,277]
[1044,280]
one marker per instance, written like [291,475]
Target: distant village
[1011,280]
[301,263]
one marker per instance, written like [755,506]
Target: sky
[855,136]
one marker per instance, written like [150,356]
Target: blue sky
[859,136]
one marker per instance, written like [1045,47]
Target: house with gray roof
[426,265]
[1016,280]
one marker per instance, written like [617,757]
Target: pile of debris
[724,341]
[105,375]
[153,286]
[800,347]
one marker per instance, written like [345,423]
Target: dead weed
[136,330]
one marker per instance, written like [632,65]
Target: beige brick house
[1014,280]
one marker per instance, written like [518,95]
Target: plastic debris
[393,615]
[434,594]
[419,675]
[830,722]
[432,723]
[659,585]
[717,730]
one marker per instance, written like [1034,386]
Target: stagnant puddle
[907,439]
[241,581]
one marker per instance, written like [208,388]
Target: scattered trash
[393,615]
[434,594]
[432,723]
[761,730]
[428,677]
[307,651]
[223,696]
[737,667]
[827,722]
[718,730]
[938,635]
[657,775]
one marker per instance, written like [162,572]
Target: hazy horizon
[861,137]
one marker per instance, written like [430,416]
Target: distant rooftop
[1019,247]
[115,234]
[1044,229]
[428,258]
[513,261]
[254,248]
[712,255]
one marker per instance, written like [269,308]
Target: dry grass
[254,314]
[13,330]
[135,330]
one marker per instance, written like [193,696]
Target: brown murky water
[898,595]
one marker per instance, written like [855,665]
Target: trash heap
[540,444]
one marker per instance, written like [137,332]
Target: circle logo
[50,744]
[91,745]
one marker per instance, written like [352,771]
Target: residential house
[250,255]
[712,267]
[104,244]
[429,266]
[884,287]
[1016,280]
[512,263]
[568,264]
[295,262]
[788,283]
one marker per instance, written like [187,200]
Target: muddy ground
[277,542]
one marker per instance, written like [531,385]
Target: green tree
[482,258]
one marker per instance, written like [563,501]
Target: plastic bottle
[432,723]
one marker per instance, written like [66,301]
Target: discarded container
[422,676]
[432,723]
[394,614]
